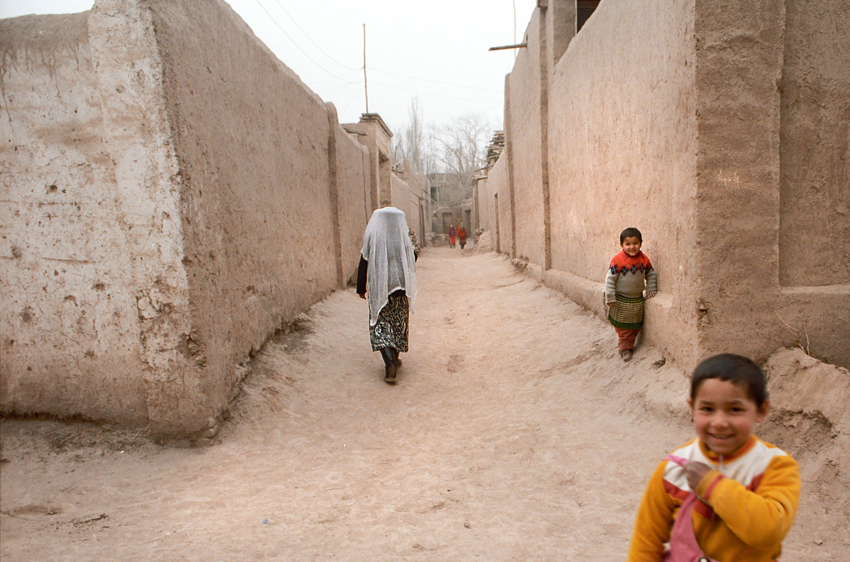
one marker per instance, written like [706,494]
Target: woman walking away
[388,270]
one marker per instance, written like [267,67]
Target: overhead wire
[347,82]
[296,44]
[361,68]
[311,40]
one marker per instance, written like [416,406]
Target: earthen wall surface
[485,203]
[354,202]
[525,142]
[401,200]
[259,238]
[194,197]
[815,145]
[498,187]
[740,63]
[720,132]
[814,183]
[622,143]
[69,319]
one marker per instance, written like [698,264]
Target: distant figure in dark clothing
[452,234]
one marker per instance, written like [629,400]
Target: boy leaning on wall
[629,273]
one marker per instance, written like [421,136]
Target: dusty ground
[514,433]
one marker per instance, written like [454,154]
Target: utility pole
[365,82]
[515,28]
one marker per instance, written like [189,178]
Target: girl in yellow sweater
[743,491]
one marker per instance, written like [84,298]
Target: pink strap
[683,543]
[681,461]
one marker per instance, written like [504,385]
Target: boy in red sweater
[746,490]
[628,275]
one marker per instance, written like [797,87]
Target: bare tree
[460,151]
[409,146]
[450,154]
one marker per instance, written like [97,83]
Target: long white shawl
[392,266]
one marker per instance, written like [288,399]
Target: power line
[296,44]
[360,68]
[311,40]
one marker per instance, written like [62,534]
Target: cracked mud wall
[175,194]
[71,332]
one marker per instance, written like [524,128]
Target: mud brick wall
[173,194]
[494,210]
[524,84]
[720,132]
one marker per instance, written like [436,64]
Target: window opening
[584,9]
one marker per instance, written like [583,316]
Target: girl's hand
[650,295]
[362,296]
[695,472]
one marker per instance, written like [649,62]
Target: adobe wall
[484,200]
[814,182]
[783,193]
[406,192]
[720,132]
[619,154]
[499,204]
[622,154]
[69,318]
[353,201]
[373,133]
[740,63]
[230,197]
[525,98]
[815,145]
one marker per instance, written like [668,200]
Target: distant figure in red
[461,236]
[452,234]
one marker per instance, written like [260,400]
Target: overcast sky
[436,50]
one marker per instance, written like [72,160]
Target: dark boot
[389,364]
[396,358]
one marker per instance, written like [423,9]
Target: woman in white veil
[388,270]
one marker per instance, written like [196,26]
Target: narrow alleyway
[514,433]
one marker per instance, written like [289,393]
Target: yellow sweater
[747,504]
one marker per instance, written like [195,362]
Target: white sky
[436,50]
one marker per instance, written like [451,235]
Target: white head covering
[389,251]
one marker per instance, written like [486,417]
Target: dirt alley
[515,432]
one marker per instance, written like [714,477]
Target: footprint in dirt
[455,363]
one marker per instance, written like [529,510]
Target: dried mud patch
[802,434]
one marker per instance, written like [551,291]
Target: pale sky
[436,50]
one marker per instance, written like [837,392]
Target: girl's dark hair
[629,233]
[736,369]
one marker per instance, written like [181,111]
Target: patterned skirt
[391,328]
[627,312]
